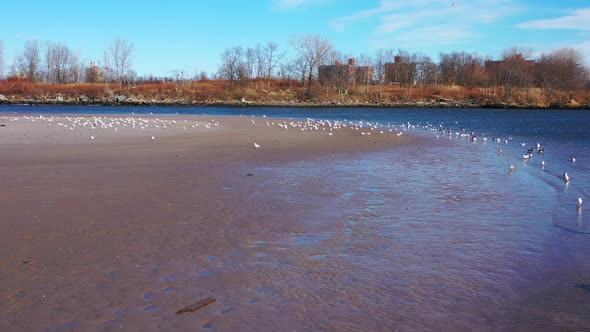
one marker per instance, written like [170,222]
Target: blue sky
[190,35]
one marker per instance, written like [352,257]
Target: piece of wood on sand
[196,306]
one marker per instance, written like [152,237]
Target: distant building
[94,73]
[342,76]
[400,72]
[514,69]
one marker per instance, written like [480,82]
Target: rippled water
[434,236]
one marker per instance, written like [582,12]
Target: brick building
[94,73]
[342,76]
[515,70]
[400,72]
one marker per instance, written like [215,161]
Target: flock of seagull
[541,150]
[98,123]
[330,126]
[511,169]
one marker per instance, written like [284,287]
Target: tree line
[57,63]
[557,70]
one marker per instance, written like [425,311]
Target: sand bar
[118,229]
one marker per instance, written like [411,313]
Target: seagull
[579,204]
[256,145]
[566,178]
[153,138]
[91,137]
[511,168]
[543,163]
[573,160]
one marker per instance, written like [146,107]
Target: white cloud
[578,20]
[429,22]
[427,36]
[385,6]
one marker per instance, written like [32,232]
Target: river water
[439,235]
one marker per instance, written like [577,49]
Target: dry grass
[289,90]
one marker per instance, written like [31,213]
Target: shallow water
[425,237]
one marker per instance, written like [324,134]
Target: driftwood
[196,306]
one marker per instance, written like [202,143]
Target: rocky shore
[129,100]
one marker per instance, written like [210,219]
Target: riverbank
[124,100]
[113,222]
[285,93]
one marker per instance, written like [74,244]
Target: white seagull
[256,145]
[566,178]
[579,204]
[511,168]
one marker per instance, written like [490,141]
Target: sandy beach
[116,222]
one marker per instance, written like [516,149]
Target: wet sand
[120,231]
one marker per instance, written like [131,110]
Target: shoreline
[446,103]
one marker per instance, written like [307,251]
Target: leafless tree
[405,70]
[562,69]
[58,61]
[249,63]
[260,61]
[382,56]
[272,56]
[427,72]
[516,70]
[120,53]
[231,64]
[28,63]
[202,76]
[313,49]
[461,68]
[180,78]
[76,70]
[299,69]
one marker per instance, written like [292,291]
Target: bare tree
[180,78]
[202,76]
[28,63]
[405,71]
[461,68]
[427,72]
[514,71]
[231,64]
[272,56]
[120,54]
[313,49]
[382,56]
[249,63]
[260,61]
[562,69]
[76,70]
[58,61]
